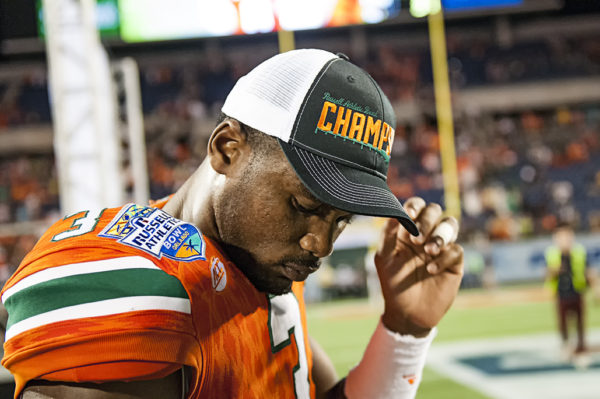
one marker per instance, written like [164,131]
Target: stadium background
[525,80]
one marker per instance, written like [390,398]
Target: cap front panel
[347,119]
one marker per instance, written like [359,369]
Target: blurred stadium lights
[260,16]
[422,8]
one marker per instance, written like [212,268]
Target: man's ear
[228,147]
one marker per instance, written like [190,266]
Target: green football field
[344,327]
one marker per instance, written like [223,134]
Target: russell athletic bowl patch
[156,232]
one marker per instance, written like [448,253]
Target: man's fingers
[390,233]
[444,233]
[450,259]
[447,230]
[427,220]
[414,206]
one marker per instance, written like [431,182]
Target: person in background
[567,277]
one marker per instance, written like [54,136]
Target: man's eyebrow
[306,192]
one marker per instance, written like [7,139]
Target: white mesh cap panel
[269,97]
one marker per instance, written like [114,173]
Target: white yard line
[524,367]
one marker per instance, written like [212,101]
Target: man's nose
[318,241]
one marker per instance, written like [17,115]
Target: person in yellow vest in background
[567,278]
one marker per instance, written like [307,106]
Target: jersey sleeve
[117,317]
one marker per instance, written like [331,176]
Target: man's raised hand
[420,275]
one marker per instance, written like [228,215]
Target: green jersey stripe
[126,262]
[85,288]
[100,308]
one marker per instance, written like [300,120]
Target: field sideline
[343,328]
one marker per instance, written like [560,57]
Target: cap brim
[346,188]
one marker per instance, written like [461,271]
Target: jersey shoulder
[131,228]
[135,230]
[97,263]
[102,288]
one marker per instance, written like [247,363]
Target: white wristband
[391,367]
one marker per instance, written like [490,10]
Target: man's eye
[303,209]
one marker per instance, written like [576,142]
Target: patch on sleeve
[156,232]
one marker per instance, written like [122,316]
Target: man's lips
[299,271]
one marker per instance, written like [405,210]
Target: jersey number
[83,222]
[285,328]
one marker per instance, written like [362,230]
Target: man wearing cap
[200,295]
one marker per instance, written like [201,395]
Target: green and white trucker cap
[333,122]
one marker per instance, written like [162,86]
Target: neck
[193,202]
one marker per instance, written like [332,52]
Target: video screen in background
[107,18]
[137,21]
[463,5]
[156,20]
[145,20]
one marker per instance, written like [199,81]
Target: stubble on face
[256,229]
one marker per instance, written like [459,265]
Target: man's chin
[256,273]
[280,291]
[274,289]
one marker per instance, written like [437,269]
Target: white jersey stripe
[73,269]
[101,308]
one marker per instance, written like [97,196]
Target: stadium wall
[524,261]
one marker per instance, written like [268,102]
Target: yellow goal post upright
[286,40]
[443,101]
[443,108]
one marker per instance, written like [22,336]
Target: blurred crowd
[195,88]
[28,188]
[520,173]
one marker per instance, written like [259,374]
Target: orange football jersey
[132,293]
